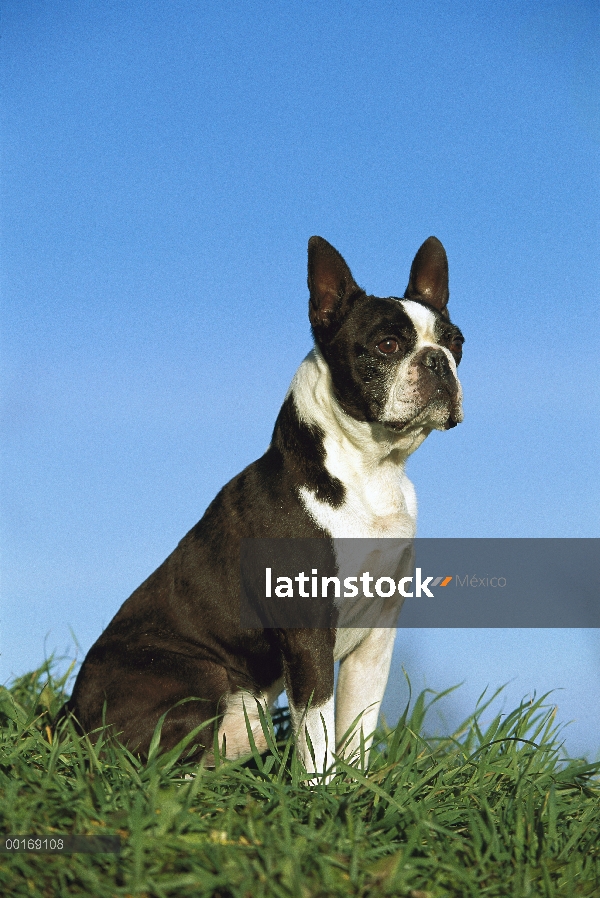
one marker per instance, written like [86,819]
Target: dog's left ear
[429,276]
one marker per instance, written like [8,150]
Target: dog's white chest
[378,505]
[371,530]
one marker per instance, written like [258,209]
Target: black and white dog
[382,375]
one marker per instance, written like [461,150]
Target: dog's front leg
[362,679]
[308,671]
[314,731]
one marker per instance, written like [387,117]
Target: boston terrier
[382,376]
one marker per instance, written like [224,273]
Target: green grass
[487,812]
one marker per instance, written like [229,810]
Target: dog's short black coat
[179,634]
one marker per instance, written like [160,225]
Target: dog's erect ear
[429,276]
[330,282]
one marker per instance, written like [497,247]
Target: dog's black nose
[437,362]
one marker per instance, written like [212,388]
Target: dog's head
[392,360]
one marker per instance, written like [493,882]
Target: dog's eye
[388,346]
[456,348]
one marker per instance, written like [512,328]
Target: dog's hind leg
[132,698]
[241,713]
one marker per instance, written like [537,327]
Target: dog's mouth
[425,418]
[397,426]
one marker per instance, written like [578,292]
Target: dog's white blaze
[422,318]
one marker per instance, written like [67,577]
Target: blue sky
[163,168]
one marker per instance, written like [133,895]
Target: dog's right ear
[429,276]
[330,283]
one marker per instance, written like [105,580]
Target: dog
[381,376]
